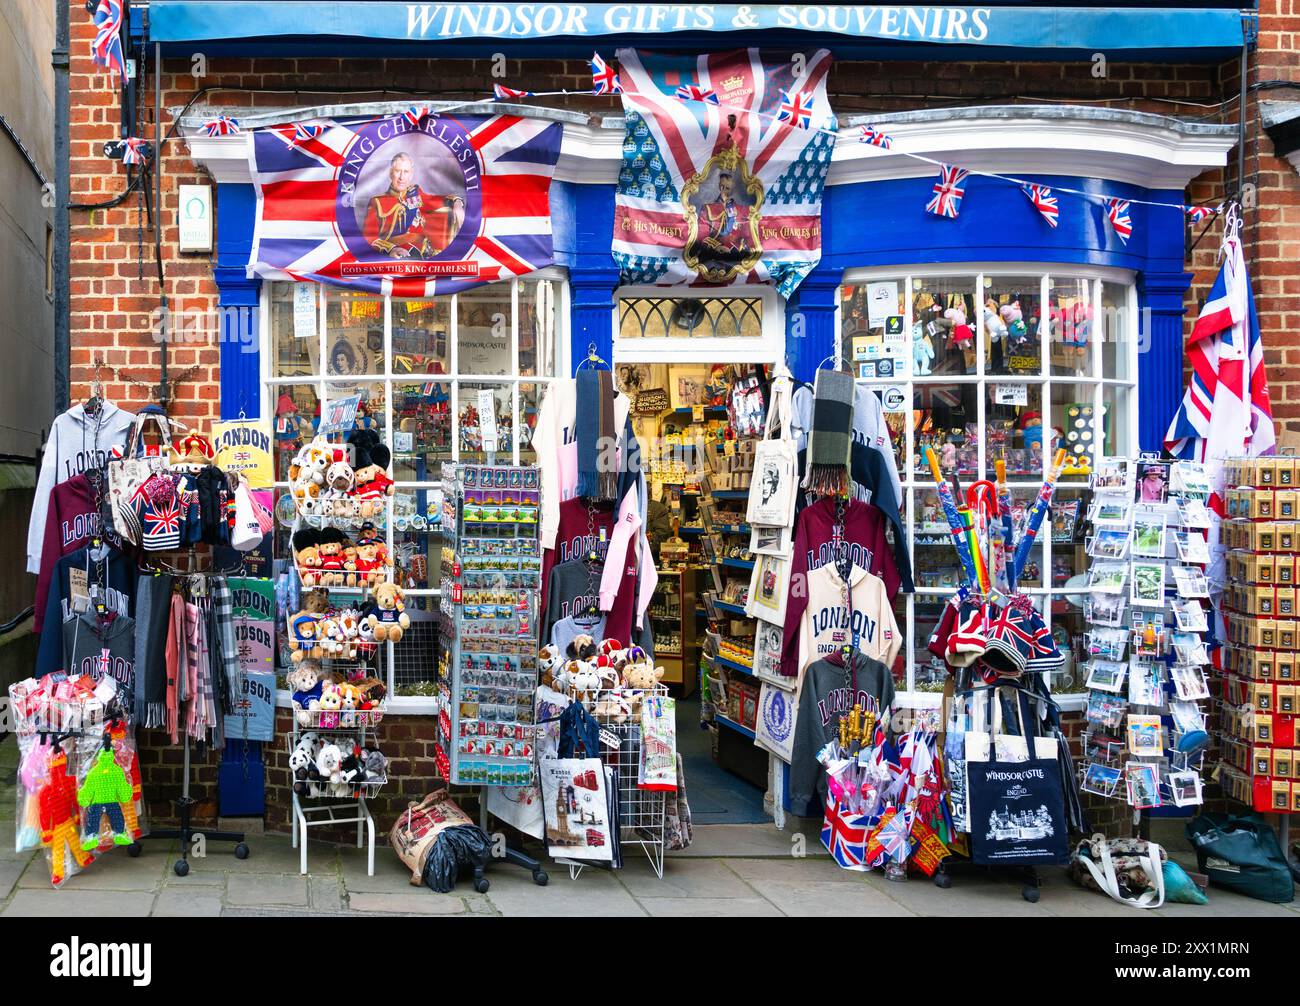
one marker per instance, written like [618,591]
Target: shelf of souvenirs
[731,724]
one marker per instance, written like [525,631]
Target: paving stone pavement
[768,882]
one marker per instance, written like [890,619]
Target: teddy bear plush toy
[304,680]
[389,619]
[303,636]
[922,348]
[329,763]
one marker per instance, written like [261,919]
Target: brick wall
[114,290]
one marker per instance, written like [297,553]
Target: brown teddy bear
[389,618]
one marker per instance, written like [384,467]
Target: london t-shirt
[868,624]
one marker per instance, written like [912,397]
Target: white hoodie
[825,627]
[77,443]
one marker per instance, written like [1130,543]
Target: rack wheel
[942,880]
[1030,894]
[134,849]
[540,878]
[481,885]
[241,850]
[180,868]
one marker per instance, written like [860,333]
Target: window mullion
[455,372]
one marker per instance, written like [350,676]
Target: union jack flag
[222,125]
[497,227]
[416,114]
[1226,411]
[604,79]
[694,92]
[501,92]
[107,48]
[948,192]
[893,836]
[873,136]
[1117,214]
[844,835]
[1044,202]
[796,108]
[1198,213]
[136,151]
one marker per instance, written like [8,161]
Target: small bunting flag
[693,92]
[873,136]
[136,151]
[501,92]
[416,114]
[604,79]
[1117,214]
[948,192]
[796,109]
[222,125]
[1043,200]
[1196,214]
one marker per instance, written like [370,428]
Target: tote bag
[1017,808]
[129,472]
[773,489]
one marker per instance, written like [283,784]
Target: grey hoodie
[100,651]
[824,696]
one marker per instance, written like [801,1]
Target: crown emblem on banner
[731,83]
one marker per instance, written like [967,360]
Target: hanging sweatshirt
[629,549]
[566,630]
[77,443]
[71,572]
[827,693]
[864,538]
[868,626]
[555,439]
[71,521]
[102,650]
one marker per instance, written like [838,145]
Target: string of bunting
[949,189]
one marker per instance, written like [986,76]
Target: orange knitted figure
[125,754]
[59,818]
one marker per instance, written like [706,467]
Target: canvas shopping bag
[577,808]
[1129,870]
[129,472]
[776,470]
[1010,747]
[1017,808]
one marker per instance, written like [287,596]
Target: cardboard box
[1283,761]
[1284,698]
[1281,795]
[1263,729]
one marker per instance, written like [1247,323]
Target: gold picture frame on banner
[722,240]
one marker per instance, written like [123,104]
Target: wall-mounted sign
[652,402]
[194,216]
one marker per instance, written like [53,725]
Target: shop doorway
[697,450]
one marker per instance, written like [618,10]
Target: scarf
[831,439]
[175,664]
[595,431]
[152,618]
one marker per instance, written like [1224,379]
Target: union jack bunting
[1198,213]
[693,92]
[473,205]
[844,834]
[500,92]
[1117,214]
[416,114]
[1044,202]
[704,136]
[107,47]
[136,151]
[948,192]
[604,79]
[796,108]
[873,136]
[222,125]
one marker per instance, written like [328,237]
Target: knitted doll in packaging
[58,816]
[124,754]
[34,772]
[105,793]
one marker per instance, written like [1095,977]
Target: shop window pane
[484,330]
[873,342]
[291,354]
[371,413]
[419,552]
[1013,413]
[1075,419]
[1011,311]
[1071,326]
[421,330]
[422,429]
[473,408]
[690,317]
[1118,440]
[945,311]
[296,416]
[1068,626]
[1069,513]
[530,397]
[354,335]
[929,672]
[539,327]
[1116,328]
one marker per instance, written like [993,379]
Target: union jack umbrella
[845,835]
[500,92]
[416,114]
[1044,202]
[948,192]
[873,136]
[1117,214]
[795,108]
[1198,213]
[136,151]
[604,79]
[222,125]
[693,92]
[107,47]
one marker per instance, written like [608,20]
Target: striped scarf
[595,433]
[831,439]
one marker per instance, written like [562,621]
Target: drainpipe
[59,60]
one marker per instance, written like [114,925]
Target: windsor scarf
[831,439]
[595,433]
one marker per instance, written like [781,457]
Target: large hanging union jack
[107,47]
[718,186]
[948,192]
[416,211]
